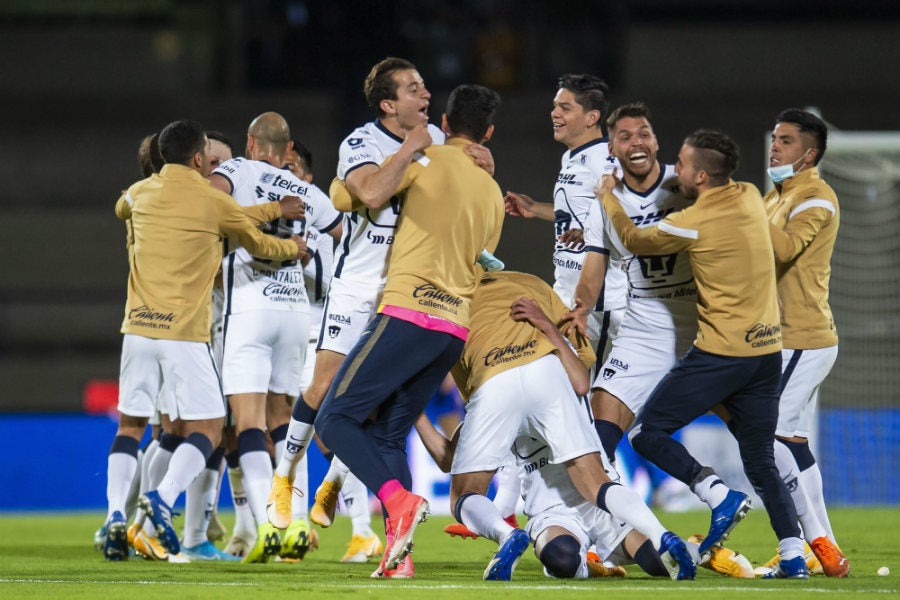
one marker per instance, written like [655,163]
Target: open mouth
[638,158]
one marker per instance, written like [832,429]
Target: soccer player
[267,319]
[579,107]
[395,90]
[452,210]
[804,218]
[660,319]
[521,376]
[177,224]
[735,360]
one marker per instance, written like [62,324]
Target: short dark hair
[590,92]
[471,109]
[380,85]
[715,153]
[149,159]
[808,123]
[212,134]
[305,156]
[632,109]
[180,140]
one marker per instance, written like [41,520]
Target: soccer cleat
[676,558]
[404,570]
[832,560]
[794,568]
[812,563]
[115,547]
[278,509]
[238,546]
[460,530]
[725,517]
[724,560]
[490,262]
[504,562]
[598,569]
[147,546]
[207,551]
[297,540]
[160,514]
[406,514]
[322,511]
[361,548]
[592,556]
[215,531]
[100,538]
[268,543]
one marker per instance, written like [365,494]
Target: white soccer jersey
[260,284]
[368,234]
[317,274]
[573,197]
[661,289]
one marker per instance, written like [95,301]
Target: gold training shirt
[804,219]
[497,343]
[177,223]
[450,211]
[726,235]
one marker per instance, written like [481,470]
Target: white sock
[337,472]
[134,490]
[300,501]
[356,499]
[508,487]
[789,548]
[481,516]
[244,524]
[790,474]
[711,490]
[187,462]
[198,507]
[625,505]
[158,467]
[120,472]
[149,453]
[811,482]
[257,468]
[296,442]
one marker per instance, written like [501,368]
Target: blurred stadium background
[84,80]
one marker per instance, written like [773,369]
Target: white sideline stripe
[814,203]
[691,234]
[483,586]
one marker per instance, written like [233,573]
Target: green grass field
[52,556]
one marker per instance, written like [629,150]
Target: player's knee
[561,556]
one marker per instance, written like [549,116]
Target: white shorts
[265,351]
[611,331]
[216,334]
[187,369]
[535,399]
[803,371]
[636,364]
[348,309]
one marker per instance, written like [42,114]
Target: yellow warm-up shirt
[726,235]
[497,343]
[804,219]
[177,224]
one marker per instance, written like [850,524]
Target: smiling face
[572,125]
[687,173]
[633,142]
[410,108]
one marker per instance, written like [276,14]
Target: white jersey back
[662,295]
[368,234]
[260,284]
[573,197]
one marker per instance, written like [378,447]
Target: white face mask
[782,172]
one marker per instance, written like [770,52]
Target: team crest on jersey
[333,331]
[608,373]
[354,142]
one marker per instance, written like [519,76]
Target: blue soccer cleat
[115,546]
[504,562]
[160,514]
[675,557]
[725,517]
[207,551]
[794,568]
